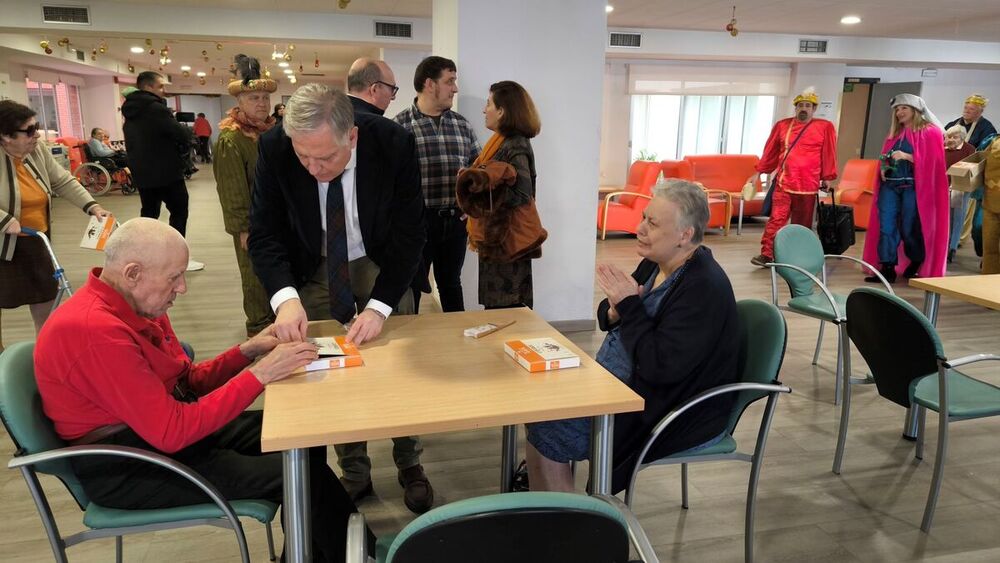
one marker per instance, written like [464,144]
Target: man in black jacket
[337,229]
[157,146]
[371,86]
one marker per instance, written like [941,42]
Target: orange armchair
[720,202]
[857,188]
[729,173]
[625,212]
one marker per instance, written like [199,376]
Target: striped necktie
[339,276]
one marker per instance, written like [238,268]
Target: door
[853,115]
[879,113]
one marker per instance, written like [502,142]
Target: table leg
[298,536]
[601,442]
[931,302]
[508,458]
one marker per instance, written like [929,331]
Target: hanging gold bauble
[187,74]
[164,52]
[152,51]
[63,42]
[149,42]
[93,54]
[48,50]
[44,44]
[103,48]
[213,71]
[267,73]
[131,67]
[218,46]
[291,47]
[201,81]
[288,56]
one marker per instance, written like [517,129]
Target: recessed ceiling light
[201,74]
[283,64]
[289,71]
[185,67]
[137,50]
[850,20]
[609,8]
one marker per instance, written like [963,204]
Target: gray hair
[368,73]
[956,129]
[315,105]
[691,202]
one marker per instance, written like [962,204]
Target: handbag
[835,226]
[525,234]
[749,190]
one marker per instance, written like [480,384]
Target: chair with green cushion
[762,337]
[40,450]
[910,369]
[530,527]
[799,260]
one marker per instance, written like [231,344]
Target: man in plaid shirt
[445,144]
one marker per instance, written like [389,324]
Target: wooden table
[423,376]
[980,290]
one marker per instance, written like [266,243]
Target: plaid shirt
[442,150]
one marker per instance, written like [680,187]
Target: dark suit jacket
[362,106]
[689,346]
[285,232]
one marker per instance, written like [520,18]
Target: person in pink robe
[904,242]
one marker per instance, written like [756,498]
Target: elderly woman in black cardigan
[671,334]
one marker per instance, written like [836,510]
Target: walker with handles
[65,290]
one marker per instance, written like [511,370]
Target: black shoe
[520,483]
[888,272]
[911,270]
[951,255]
[418,495]
[357,490]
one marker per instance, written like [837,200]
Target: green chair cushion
[501,502]
[98,517]
[726,445]
[967,397]
[817,305]
[382,546]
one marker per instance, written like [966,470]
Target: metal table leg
[931,302]
[298,536]
[601,442]
[508,458]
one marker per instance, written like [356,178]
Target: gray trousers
[315,295]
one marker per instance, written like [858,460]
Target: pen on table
[494,329]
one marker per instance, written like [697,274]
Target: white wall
[403,63]
[616,122]
[826,78]
[211,106]
[99,102]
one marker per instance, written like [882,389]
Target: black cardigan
[689,346]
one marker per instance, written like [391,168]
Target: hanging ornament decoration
[44,44]
[149,42]
[204,56]
[218,46]
[201,80]
[731,27]
[267,72]
[93,54]
[316,62]
[63,42]
[288,56]
[103,47]
[291,46]
[300,69]
[343,4]
[213,71]
[152,51]
[131,67]
[186,73]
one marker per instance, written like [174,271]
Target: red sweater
[202,128]
[97,363]
[812,159]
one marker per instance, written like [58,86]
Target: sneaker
[761,260]
[194,266]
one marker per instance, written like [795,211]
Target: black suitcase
[835,226]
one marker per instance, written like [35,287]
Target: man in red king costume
[800,155]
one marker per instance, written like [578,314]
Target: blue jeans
[957,220]
[897,215]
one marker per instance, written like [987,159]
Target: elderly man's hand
[283,360]
[616,284]
[262,343]
[291,322]
[367,326]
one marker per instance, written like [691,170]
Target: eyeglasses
[392,87]
[30,130]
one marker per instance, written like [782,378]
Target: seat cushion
[967,397]
[97,516]
[817,305]
[382,546]
[726,445]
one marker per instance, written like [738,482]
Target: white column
[827,78]
[99,103]
[556,51]
[14,87]
[403,63]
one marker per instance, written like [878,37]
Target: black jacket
[154,141]
[362,106]
[690,345]
[285,230]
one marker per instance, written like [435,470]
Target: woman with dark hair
[511,115]
[29,175]
[279,113]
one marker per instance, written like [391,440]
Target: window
[672,126]
[57,107]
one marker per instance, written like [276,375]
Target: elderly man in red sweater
[110,370]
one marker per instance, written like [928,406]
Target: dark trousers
[898,217]
[445,251]
[203,150]
[232,461]
[174,196]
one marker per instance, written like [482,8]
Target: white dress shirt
[355,243]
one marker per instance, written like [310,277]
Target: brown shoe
[357,490]
[760,260]
[417,492]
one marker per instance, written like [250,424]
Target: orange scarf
[490,150]
[239,120]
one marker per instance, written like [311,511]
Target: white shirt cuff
[380,307]
[282,295]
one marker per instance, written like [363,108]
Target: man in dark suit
[337,229]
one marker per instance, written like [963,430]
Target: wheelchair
[98,174]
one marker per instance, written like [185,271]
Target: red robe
[813,158]
[930,179]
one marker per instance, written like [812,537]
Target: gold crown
[259,85]
[977,99]
[810,97]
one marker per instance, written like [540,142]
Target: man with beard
[800,155]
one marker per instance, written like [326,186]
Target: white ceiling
[971,20]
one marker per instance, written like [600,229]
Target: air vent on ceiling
[812,46]
[76,15]
[394,30]
[626,40]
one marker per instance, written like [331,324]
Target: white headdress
[917,103]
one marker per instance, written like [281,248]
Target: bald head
[145,261]
[373,81]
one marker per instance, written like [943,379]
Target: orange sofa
[720,203]
[621,210]
[729,173]
[857,188]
